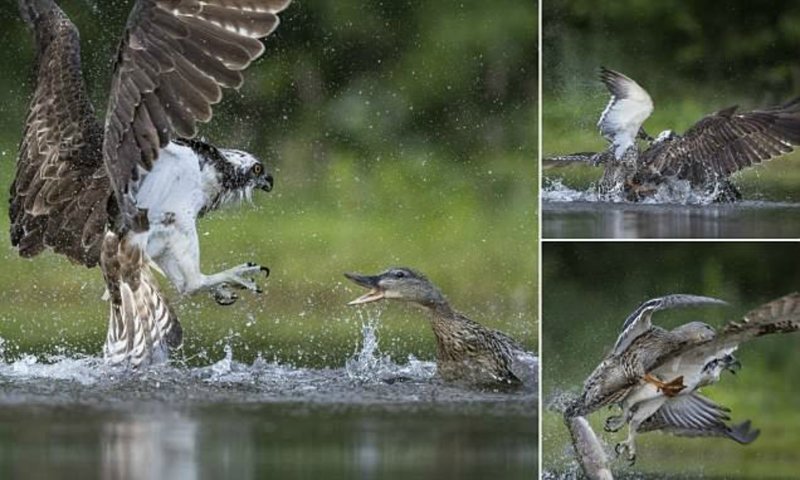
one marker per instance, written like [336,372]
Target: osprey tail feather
[142,327]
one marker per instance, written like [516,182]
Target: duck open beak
[375,292]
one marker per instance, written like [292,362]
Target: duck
[466,351]
[706,155]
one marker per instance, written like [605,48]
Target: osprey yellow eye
[257,169]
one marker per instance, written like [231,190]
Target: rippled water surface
[74,417]
[571,214]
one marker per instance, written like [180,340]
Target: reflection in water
[243,441]
[623,220]
[77,418]
[140,448]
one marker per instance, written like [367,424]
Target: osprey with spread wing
[705,156]
[655,375]
[127,195]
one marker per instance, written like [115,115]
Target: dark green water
[582,219]
[266,441]
[77,418]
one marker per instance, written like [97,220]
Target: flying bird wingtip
[608,73]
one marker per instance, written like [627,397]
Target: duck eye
[257,169]
[399,274]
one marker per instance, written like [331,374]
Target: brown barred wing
[694,415]
[175,57]
[59,196]
[778,316]
[726,142]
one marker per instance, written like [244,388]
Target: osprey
[655,375]
[126,194]
[715,147]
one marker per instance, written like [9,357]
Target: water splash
[559,400]
[368,365]
[369,377]
[554,190]
[670,192]
[84,370]
[225,369]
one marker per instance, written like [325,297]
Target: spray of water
[670,192]
[369,365]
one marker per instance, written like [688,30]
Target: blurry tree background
[589,290]
[694,58]
[738,45]
[399,132]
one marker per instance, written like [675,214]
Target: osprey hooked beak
[266,183]
[642,135]
[263,179]
[732,364]
[372,282]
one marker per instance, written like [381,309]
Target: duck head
[696,332]
[398,283]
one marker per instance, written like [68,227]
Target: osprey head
[228,175]
[664,136]
[246,172]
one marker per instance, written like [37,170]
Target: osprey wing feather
[76,182]
[778,316]
[727,141]
[629,107]
[175,57]
[60,192]
[694,415]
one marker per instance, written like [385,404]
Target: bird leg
[174,247]
[670,389]
[638,414]
[615,422]
[629,447]
[238,276]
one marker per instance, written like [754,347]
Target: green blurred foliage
[374,78]
[399,132]
[694,58]
[589,290]
[733,44]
